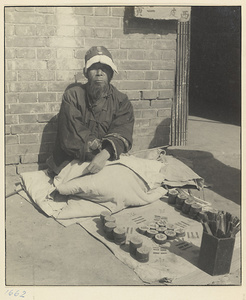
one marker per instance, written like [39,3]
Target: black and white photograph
[122,156]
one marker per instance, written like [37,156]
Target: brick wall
[44,53]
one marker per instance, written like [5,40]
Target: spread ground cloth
[129,181]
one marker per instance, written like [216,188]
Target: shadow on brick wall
[47,142]
[162,135]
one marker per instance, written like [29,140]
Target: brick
[9,53]
[22,168]
[149,113]
[86,10]
[101,32]
[23,18]
[141,104]
[57,86]
[12,159]
[65,30]
[22,149]
[137,75]
[149,95]
[151,75]
[10,170]
[17,41]
[167,93]
[167,75]
[79,54]
[121,76]
[164,113]
[24,8]
[65,53]
[44,118]
[83,31]
[33,158]
[161,103]
[9,29]
[102,11]
[28,98]
[27,119]
[133,95]
[71,64]
[46,53]
[134,65]
[46,97]
[47,30]
[164,44]
[152,54]
[45,10]
[142,123]
[46,75]
[134,85]
[29,138]
[25,108]
[118,11]
[135,44]
[11,139]
[47,137]
[25,53]
[7,129]
[65,76]
[26,75]
[108,43]
[160,121]
[102,21]
[144,131]
[118,33]
[119,54]
[11,98]
[137,113]
[25,64]
[65,10]
[136,55]
[168,54]
[11,119]
[66,42]
[163,84]
[25,30]
[10,76]
[28,87]
[71,20]
[163,65]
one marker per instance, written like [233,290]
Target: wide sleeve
[72,131]
[119,135]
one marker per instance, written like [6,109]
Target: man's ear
[85,73]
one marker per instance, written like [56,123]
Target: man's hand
[98,161]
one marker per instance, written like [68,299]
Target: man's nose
[99,72]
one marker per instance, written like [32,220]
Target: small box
[215,254]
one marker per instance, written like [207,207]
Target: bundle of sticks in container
[219,223]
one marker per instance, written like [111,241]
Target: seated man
[95,122]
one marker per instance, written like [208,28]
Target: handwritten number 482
[16,293]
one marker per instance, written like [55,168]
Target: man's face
[99,74]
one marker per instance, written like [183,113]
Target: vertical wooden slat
[181,99]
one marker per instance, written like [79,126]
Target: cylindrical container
[179,232]
[162,223]
[143,229]
[153,226]
[202,216]
[104,214]
[194,210]
[142,253]
[171,234]
[172,194]
[119,234]
[160,238]
[212,213]
[135,242]
[151,233]
[186,205]
[162,229]
[170,226]
[108,229]
[109,218]
[180,199]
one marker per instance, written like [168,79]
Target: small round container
[212,213]
[109,218]
[170,226]
[119,234]
[104,214]
[171,234]
[142,254]
[153,226]
[143,229]
[172,194]
[135,242]
[180,232]
[160,238]
[162,223]
[194,210]
[180,199]
[186,205]
[108,229]
[162,229]
[151,233]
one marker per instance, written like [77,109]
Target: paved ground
[39,251]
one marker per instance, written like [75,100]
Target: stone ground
[41,252]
